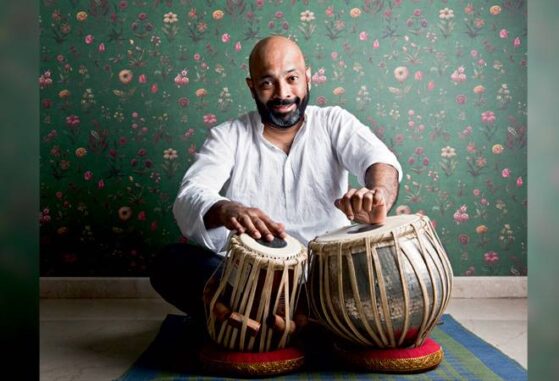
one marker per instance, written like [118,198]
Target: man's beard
[282,120]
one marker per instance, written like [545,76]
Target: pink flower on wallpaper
[321,101]
[101,48]
[488,117]
[319,77]
[461,215]
[192,149]
[72,120]
[503,33]
[376,44]
[519,181]
[237,46]
[209,119]
[183,101]
[154,88]
[418,75]
[88,175]
[431,86]
[470,271]
[225,37]
[461,99]
[181,78]
[474,53]
[505,173]
[464,239]
[516,42]
[476,192]
[329,11]
[142,216]
[100,184]
[142,78]
[458,76]
[89,39]
[363,36]
[491,257]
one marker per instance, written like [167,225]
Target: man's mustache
[283,102]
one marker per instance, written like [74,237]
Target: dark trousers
[179,274]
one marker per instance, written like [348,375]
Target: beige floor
[98,339]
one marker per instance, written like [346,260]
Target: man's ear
[250,85]
[308,76]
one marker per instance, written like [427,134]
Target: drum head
[359,231]
[278,248]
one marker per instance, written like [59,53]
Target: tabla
[250,308]
[381,286]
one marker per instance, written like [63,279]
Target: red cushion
[398,360]
[245,364]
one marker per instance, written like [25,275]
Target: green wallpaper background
[129,90]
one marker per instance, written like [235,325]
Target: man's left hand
[367,206]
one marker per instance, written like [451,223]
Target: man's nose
[282,90]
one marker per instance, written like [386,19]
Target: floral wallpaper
[130,88]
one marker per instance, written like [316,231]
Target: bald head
[273,48]
[279,82]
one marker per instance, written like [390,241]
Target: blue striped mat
[467,357]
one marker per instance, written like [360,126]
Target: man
[282,170]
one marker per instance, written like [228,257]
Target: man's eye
[293,78]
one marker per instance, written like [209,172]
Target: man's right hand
[242,219]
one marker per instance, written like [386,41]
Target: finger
[235,225]
[346,204]
[357,199]
[246,221]
[277,229]
[368,201]
[262,228]
[378,214]
[378,197]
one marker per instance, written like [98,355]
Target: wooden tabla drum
[382,286]
[250,308]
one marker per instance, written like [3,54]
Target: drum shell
[384,293]
[257,289]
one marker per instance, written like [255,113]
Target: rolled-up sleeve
[201,185]
[357,146]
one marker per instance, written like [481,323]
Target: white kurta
[297,189]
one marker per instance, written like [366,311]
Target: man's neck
[282,137]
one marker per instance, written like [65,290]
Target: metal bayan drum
[250,308]
[380,286]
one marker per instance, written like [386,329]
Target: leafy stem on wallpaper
[413,192]
[446,26]
[60,33]
[476,164]
[307,28]
[488,130]
[196,33]
[448,165]
[443,202]
[373,6]
[235,7]
[334,27]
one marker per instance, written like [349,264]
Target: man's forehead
[276,53]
